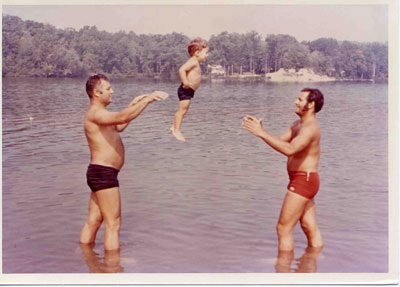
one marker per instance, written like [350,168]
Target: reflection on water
[210,204]
[307,263]
[110,263]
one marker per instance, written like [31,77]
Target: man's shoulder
[93,110]
[312,127]
[314,124]
[92,113]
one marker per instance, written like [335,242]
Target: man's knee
[94,222]
[113,224]
[283,229]
[307,227]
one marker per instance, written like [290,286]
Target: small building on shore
[216,70]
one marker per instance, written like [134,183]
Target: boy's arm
[184,69]
[104,117]
[302,140]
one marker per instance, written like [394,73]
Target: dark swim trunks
[101,177]
[185,94]
[304,183]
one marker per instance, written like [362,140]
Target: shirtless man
[107,157]
[300,143]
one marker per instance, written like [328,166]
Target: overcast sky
[363,23]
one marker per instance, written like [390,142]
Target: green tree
[295,57]
[277,47]
[32,49]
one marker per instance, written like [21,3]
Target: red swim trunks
[304,183]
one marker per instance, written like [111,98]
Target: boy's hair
[315,96]
[196,45]
[92,83]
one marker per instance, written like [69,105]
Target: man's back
[106,147]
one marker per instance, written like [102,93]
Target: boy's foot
[177,134]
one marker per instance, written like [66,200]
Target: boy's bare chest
[195,70]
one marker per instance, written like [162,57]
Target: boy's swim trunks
[304,183]
[185,94]
[101,177]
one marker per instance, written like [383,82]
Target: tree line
[32,49]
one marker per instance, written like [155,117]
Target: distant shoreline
[288,76]
[259,79]
[247,77]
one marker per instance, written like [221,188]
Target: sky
[362,23]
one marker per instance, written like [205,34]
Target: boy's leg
[292,209]
[110,206]
[309,225]
[93,222]
[182,110]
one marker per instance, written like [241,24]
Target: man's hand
[156,96]
[253,125]
[137,99]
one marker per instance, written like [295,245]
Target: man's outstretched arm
[301,141]
[104,117]
[121,127]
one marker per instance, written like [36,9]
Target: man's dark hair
[92,83]
[315,96]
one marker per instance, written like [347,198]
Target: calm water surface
[208,205]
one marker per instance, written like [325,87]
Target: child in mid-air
[190,74]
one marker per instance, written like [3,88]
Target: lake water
[207,205]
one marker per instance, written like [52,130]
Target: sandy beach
[303,75]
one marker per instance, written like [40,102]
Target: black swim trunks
[185,94]
[101,177]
